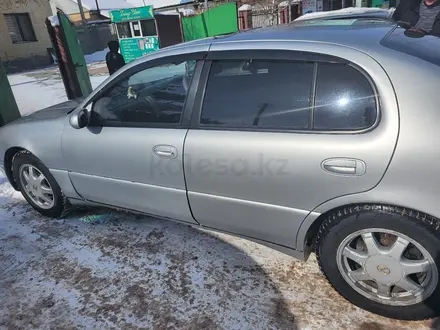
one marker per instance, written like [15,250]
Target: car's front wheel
[37,185]
[383,259]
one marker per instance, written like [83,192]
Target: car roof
[356,33]
[376,36]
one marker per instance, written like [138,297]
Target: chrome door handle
[165,151]
[344,166]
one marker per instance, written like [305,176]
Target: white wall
[68,6]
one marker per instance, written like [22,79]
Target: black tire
[60,202]
[417,226]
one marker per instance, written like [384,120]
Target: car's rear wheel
[37,185]
[383,259]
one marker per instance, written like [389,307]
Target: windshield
[426,48]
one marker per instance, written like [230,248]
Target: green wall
[216,21]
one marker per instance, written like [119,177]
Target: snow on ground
[100,269]
[96,57]
[39,89]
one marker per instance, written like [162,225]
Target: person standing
[114,60]
[422,15]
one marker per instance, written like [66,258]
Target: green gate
[8,109]
[77,57]
[213,22]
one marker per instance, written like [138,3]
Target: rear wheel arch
[421,232]
[309,242]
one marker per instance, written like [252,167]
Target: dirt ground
[100,269]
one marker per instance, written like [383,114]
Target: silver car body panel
[409,181]
[272,205]
[42,138]
[63,179]
[95,158]
[267,208]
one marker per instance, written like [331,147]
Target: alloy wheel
[387,267]
[36,186]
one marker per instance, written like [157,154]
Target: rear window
[426,48]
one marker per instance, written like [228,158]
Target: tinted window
[154,95]
[345,99]
[258,93]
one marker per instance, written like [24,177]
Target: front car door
[277,133]
[131,153]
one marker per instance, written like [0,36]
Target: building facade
[24,40]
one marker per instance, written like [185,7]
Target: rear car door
[279,132]
[131,154]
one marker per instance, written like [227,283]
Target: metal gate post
[8,109]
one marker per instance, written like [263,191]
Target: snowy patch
[125,271]
[40,89]
[98,56]
[54,21]
[245,7]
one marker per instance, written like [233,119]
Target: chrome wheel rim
[387,267]
[36,186]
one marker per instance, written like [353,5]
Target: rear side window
[258,93]
[279,94]
[345,100]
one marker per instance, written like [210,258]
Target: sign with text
[131,14]
[133,48]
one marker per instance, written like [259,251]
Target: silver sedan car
[314,136]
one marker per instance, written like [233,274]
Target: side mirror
[80,119]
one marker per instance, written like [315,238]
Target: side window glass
[258,93]
[153,95]
[344,100]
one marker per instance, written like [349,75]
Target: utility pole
[81,11]
[97,7]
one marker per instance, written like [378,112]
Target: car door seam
[184,177]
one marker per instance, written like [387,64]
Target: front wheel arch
[9,158]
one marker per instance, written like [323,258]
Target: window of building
[136,29]
[20,28]
[344,99]
[153,95]
[124,30]
[148,27]
[258,93]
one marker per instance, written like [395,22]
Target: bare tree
[270,6]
